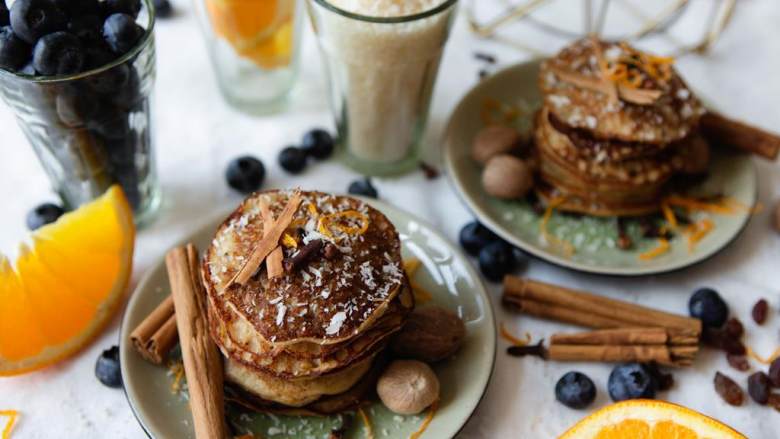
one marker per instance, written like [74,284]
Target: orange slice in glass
[259,30]
[66,285]
[649,419]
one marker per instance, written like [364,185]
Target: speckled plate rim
[479,290]
[459,186]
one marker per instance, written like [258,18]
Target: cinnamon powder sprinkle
[12,415]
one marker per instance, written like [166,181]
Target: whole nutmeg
[494,140]
[697,157]
[407,387]
[507,177]
[430,334]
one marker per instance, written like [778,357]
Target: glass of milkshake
[381,58]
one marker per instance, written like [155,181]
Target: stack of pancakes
[311,339]
[616,124]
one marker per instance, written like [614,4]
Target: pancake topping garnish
[303,256]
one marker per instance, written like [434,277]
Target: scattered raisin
[664,381]
[758,387]
[486,57]
[430,172]
[734,328]
[729,390]
[774,401]
[760,311]
[774,373]
[738,362]
[724,340]
[733,346]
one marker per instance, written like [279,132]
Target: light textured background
[197,134]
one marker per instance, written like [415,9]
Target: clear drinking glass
[381,72]
[254,49]
[94,129]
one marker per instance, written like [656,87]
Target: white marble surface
[198,134]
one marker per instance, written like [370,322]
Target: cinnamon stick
[616,337]
[721,130]
[589,309]
[156,335]
[269,242]
[273,263]
[610,353]
[202,361]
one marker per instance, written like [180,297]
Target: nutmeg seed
[407,387]
[507,177]
[430,334]
[494,140]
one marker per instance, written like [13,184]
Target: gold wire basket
[609,19]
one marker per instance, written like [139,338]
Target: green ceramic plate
[444,272]
[595,239]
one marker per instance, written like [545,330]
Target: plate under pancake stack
[311,340]
[605,155]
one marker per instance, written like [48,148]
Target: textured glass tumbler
[254,48]
[381,73]
[94,129]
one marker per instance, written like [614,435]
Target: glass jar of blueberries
[78,75]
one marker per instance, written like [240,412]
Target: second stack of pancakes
[616,124]
[311,340]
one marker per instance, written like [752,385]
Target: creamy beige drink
[382,58]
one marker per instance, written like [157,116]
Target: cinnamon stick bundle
[156,335]
[720,130]
[202,361]
[590,310]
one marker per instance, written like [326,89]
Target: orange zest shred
[721,207]
[411,266]
[421,295]
[515,340]
[367,422]
[313,210]
[772,357]
[288,241]
[176,369]
[697,232]
[568,248]
[426,422]
[12,415]
[669,215]
[495,112]
[662,248]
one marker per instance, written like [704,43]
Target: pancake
[328,302]
[670,118]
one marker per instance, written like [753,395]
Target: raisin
[729,390]
[774,401]
[758,387]
[734,328]
[733,346]
[738,362]
[774,373]
[760,311]
[664,381]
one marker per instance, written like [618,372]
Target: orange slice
[259,30]
[649,419]
[66,285]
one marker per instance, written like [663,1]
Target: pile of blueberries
[496,257]
[65,37]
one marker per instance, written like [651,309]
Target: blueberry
[631,381]
[575,390]
[28,69]
[245,174]
[121,32]
[496,260]
[88,28]
[5,20]
[318,143]
[77,8]
[107,368]
[292,160]
[163,8]
[129,7]
[14,52]
[363,187]
[474,236]
[98,56]
[59,53]
[111,81]
[32,19]
[707,305]
[46,213]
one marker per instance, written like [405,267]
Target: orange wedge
[649,419]
[259,30]
[66,285]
